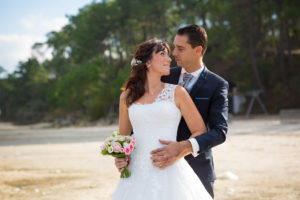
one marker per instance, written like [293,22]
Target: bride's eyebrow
[162,50]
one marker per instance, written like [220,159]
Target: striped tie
[186,80]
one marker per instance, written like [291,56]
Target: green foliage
[91,54]
[24,91]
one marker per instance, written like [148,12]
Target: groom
[209,93]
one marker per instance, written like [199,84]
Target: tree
[2,70]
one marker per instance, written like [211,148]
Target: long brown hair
[135,84]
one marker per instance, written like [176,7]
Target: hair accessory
[135,62]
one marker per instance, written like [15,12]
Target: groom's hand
[122,162]
[166,156]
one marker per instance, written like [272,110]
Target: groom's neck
[193,67]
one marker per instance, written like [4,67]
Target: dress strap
[167,93]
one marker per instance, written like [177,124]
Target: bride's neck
[153,82]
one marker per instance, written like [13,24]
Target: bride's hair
[135,84]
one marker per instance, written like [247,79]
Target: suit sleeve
[217,120]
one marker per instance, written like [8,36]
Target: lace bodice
[156,120]
[167,94]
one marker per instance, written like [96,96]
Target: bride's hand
[122,162]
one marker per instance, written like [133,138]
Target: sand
[259,160]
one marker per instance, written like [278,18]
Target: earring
[148,66]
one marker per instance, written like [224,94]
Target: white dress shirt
[195,76]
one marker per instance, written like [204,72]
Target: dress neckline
[154,99]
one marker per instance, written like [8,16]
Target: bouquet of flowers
[119,146]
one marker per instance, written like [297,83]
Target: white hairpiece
[135,62]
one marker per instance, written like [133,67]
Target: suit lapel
[199,82]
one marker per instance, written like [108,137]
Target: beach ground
[259,160]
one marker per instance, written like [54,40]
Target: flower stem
[125,173]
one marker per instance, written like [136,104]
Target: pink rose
[127,151]
[131,147]
[133,142]
[116,147]
[103,146]
[122,150]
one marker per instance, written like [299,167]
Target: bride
[152,110]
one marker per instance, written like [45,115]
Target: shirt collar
[196,73]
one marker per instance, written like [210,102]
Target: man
[209,93]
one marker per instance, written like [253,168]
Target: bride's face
[160,62]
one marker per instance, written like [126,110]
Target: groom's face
[183,52]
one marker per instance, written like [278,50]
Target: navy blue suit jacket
[209,94]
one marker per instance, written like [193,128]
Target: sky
[25,22]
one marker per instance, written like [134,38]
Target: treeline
[253,44]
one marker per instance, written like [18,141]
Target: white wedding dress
[151,122]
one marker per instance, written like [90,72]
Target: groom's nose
[174,53]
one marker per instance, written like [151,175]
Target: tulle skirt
[176,182]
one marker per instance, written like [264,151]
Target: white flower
[126,145]
[110,139]
[110,149]
[135,62]
[115,133]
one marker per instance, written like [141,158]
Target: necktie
[186,79]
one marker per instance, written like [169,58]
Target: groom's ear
[199,50]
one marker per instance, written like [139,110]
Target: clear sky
[24,22]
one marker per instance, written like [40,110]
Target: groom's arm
[217,120]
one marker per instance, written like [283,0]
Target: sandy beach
[259,160]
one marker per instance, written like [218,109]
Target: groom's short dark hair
[196,36]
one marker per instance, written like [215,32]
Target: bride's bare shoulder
[124,94]
[123,97]
[181,95]
[179,91]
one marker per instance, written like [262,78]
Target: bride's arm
[125,127]
[189,112]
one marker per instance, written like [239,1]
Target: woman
[153,109]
